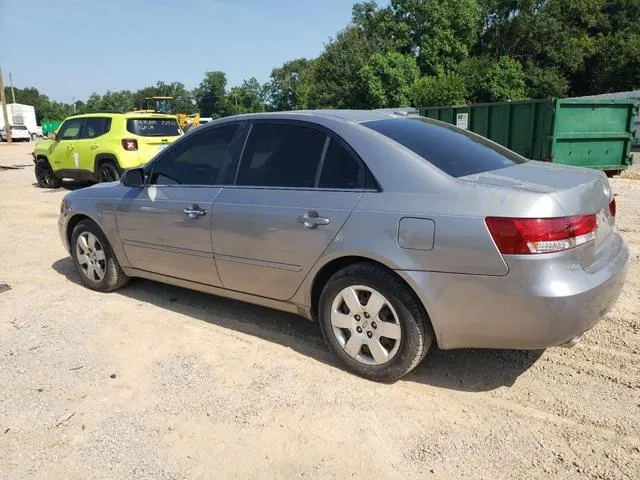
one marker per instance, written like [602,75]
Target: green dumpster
[49,126]
[592,133]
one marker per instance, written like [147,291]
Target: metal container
[591,133]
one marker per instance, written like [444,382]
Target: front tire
[45,176]
[94,259]
[108,172]
[373,322]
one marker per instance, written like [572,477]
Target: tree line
[420,53]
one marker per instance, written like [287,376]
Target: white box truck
[20,114]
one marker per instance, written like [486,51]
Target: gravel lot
[205,387]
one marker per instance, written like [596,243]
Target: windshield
[455,151]
[153,127]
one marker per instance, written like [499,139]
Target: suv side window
[340,169]
[96,126]
[202,158]
[70,129]
[281,155]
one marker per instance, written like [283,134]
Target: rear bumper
[533,306]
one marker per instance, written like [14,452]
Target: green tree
[288,88]
[382,27]
[211,95]
[504,80]
[443,32]
[545,82]
[386,80]
[334,74]
[247,98]
[443,89]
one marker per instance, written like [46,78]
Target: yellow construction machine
[164,105]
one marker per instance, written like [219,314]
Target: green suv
[100,146]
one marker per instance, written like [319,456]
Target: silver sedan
[392,232]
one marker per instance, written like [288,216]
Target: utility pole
[13,93]
[7,127]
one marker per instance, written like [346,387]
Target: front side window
[96,126]
[281,155]
[70,129]
[455,151]
[200,159]
[153,127]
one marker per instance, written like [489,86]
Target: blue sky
[71,48]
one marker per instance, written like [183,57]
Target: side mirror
[133,178]
[57,137]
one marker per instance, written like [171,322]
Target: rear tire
[94,259]
[108,172]
[378,343]
[45,175]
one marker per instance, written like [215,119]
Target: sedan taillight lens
[541,235]
[130,144]
[612,207]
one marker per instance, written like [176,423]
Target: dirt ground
[205,387]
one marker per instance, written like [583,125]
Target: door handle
[194,211]
[311,220]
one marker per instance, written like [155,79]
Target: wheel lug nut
[366,315]
[369,334]
[357,317]
[373,324]
[359,330]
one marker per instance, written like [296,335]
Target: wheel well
[327,271]
[102,158]
[73,221]
[42,157]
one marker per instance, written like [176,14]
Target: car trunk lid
[578,191]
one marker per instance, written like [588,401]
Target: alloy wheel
[91,257]
[366,325]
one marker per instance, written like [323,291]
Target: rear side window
[153,127]
[280,155]
[96,126]
[340,169]
[455,151]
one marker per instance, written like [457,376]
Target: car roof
[357,116]
[133,114]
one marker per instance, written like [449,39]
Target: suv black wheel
[94,260]
[45,175]
[373,322]
[108,172]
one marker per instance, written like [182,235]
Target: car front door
[165,227]
[62,155]
[273,224]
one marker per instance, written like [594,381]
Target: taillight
[541,235]
[130,144]
[612,207]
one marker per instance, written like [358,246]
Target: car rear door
[274,223]
[87,144]
[165,227]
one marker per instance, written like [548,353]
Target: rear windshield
[18,127]
[153,127]
[455,151]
